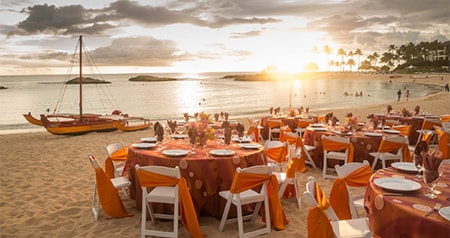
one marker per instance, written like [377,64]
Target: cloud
[139,51]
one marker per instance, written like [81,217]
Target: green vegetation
[87,80]
[149,78]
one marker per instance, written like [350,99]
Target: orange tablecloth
[205,174]
[403,216]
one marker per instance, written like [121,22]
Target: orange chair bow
[443,142]
[339,192]
[405,130]
[120,155]
[277,154]
[108,195]
[331,145]
[254,130]
[187,210]
[244,181]
[318,224]
[389,146]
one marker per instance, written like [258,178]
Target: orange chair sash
[389,146]
[244,181]
[277,154]
[303,124]
[283,130]
[428,124]
[443,142]
[405,130]
[120,155]
[321,198]
[253,129]
[274,123]
[330,145]
[445,118]
[339,191]
[109,197]
[319,225]
[187,210]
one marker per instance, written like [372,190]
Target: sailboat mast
[81,78]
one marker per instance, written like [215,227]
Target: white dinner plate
[445,212]
[143,145]
[316,125]
[222,152]
[391,131]
[397,184]
[175,153]
[395,117]
[372,134]
[243,140]
[404,166]
[250,146]
[320,129]
[179,136]
[343,133]
[384,128]
[149,139]
[361,124]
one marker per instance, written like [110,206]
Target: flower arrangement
[199,129]
[388,109]
[352,121]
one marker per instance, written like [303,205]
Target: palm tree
[351,63]
[358,52]
[327,51]
[342,53]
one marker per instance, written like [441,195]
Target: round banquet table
[392,215]
[205,174]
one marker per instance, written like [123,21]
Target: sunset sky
[191,36]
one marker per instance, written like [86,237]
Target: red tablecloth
[403,216]
[205,174]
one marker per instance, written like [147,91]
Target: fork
[436,207]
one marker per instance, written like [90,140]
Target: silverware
[436,207]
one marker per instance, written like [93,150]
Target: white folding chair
[109,150]
[118,183]
[357,200]
[160,194]
[248,196]
[274,128]
[275,159]
[333,154]
[341,228]
[284,181]
[384,155]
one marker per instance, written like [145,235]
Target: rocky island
[87,80]
[149,78]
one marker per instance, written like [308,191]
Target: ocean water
[207,92]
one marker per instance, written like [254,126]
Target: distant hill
[3,87]
[149,78]
[87,80]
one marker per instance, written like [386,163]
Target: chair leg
[297,191]
[95,203]
[240,219]
[225,214]
[375,160]
[324,173]
[255,213]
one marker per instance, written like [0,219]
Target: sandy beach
[47,181]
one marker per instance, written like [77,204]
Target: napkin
[240,128]
[271,110]
[186,116]
[216,116]
[227,132]
[159,131]
[420,147]
[431,162]
[172,125]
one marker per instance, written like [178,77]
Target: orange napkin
[240,128]
[443,138]
[431,162]
[187,211]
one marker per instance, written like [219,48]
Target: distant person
[446,87]
[407,94]
[399,94]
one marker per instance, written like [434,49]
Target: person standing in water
[399,94]
[407,94]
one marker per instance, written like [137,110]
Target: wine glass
[418,163]
[441,172]
[429,177]
[192,148]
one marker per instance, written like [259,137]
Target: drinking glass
[430,184]
[441,172]
[192,148]
[418,163]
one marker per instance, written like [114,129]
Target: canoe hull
[125,126]
[76,127]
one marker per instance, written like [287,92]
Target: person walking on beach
[399,94]
[407,94]
[446,87]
